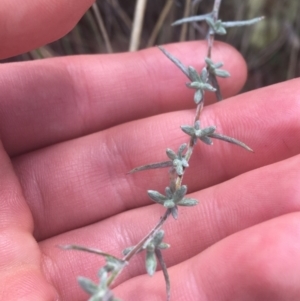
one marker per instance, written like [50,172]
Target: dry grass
[271,48]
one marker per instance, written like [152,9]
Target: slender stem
[211,35]
[149,235]
[216,9]
[139,246]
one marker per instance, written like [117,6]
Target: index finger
[64,98]
[29,24]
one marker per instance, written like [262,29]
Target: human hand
[72,127]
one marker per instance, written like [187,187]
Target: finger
[260,263]
[223,210]
[30,24]
[92,170]
[21,277]
[63,98]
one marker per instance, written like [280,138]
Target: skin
[72,127]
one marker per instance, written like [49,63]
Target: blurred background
[271,47]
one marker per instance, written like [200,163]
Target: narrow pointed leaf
[183,68]
[197,125]
[193,74]
[216,27]
[152,166]
[188,202]
[198,96]
[209,87]
[221,31]
[127,250]
[195,85]
[188,130]
[88,285]
[158,238]
[221,73]
[169,204]
[207,131]
[206,140]
[156,196]
[209,62]
[174,212]
[169,192]
[151,263]
[179,169]
[179,193]
[90,250]
[191,19]
[181,149]
[184,162]
[163,246]
[171,154]
[242,23]
[231,140]
[204,75]
[165,272]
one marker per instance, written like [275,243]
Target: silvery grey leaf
[127,250]
[113,264]
[158,238]
[188,130]
[165,272]
[88,285]
[216,27]
[152,166]
[195,85]
[157,197]
[209,62]
[191,19]
[206,140]
[102,274]
[206,131]
[174,212]
[188,202]
[179,193]
[163,246]
[169,204]
[104,295]
[242,23]
[149,246]
[151,263]
[169,192]
[221,73]
[181,149]
[91,250]
[231,140]
[209,87]
[193,74]
[198,96]
[183,68]
[184,162]
[179,169]
[204,75]
[220,30]
[218,65]
[171,154]
[197,125]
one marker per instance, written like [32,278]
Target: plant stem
[139,246]
[215,15]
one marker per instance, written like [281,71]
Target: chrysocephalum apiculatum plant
[152,244]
